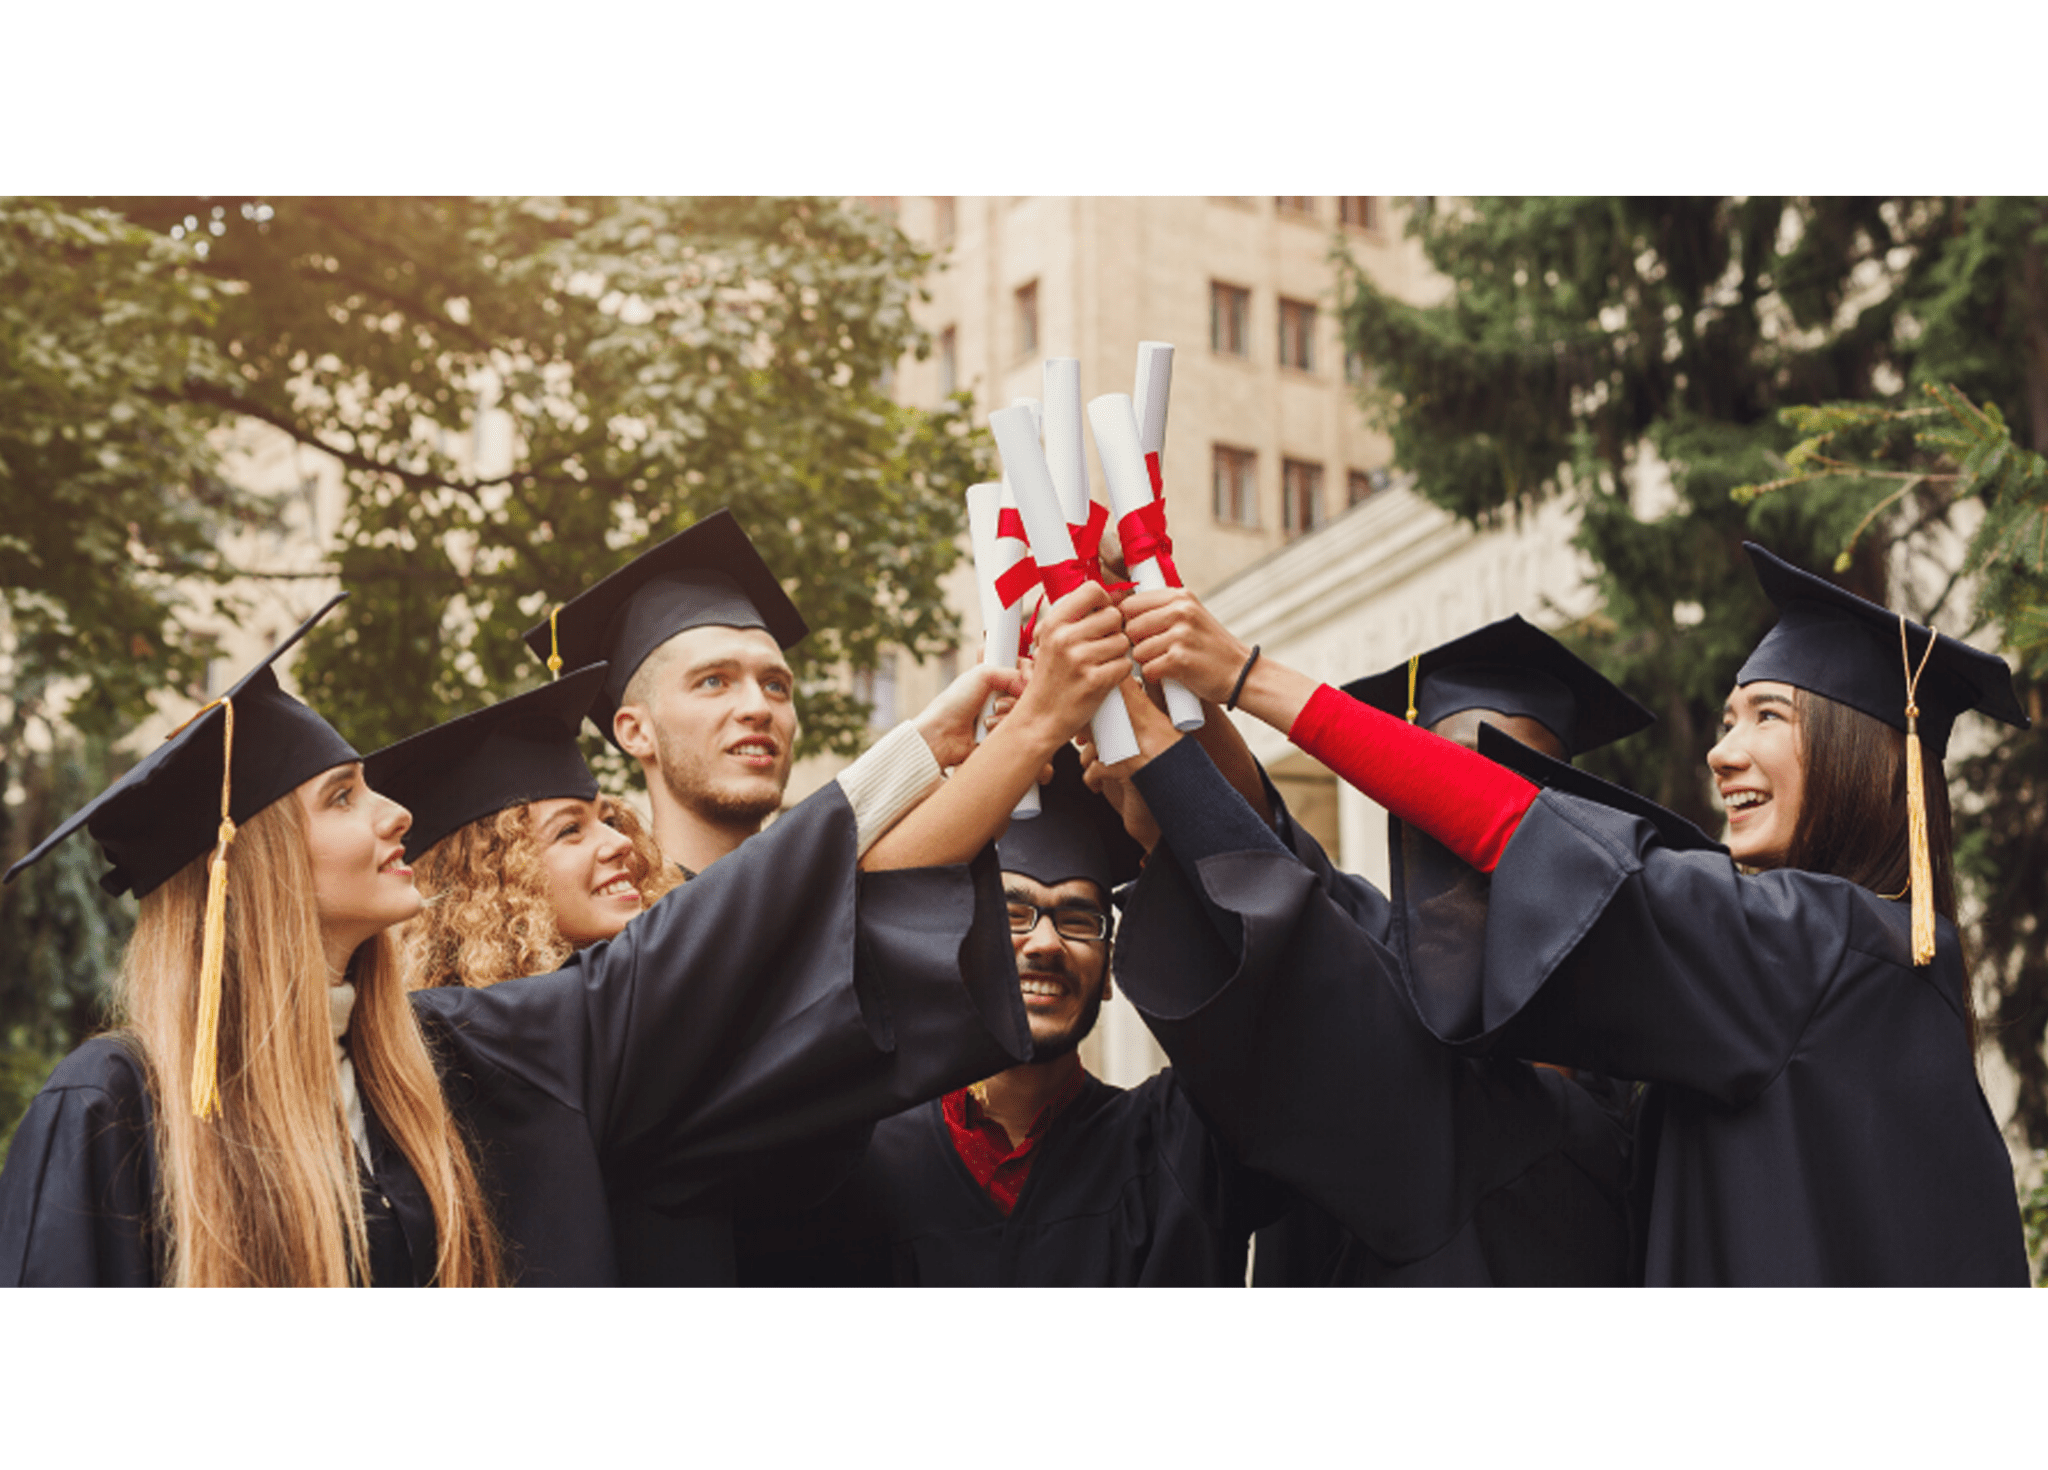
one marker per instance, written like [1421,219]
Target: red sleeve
[1458,796]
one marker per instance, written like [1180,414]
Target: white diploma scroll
[1066,450]
[1130,490]
[1000,625]
[1046,524]
[1148,397]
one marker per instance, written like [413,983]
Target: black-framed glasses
[1078,924]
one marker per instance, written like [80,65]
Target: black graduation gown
[1295,1035]
[1820,1120]
[1128,1187]
[713,1031]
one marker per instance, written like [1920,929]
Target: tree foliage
[650,360]
[1586,341]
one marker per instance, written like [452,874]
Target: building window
[942,219]
[1359,211]
[876,688]
[1301,496]
[949,362]
[1027,319]
[1364,484]
[1230,319]
[1237,486]
[1299,206]
[1354,365]
[1297,335]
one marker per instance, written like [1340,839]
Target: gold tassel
[212,955]
[1413,660]
[1920,868]
[554,643]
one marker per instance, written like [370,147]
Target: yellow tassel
[554,643]
[1919,867]
[1922,869]
[1413,660]
[212,954]
[206,1044]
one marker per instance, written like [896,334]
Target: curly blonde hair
[488,916]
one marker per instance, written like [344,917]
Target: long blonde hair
[488,915]
[267,1193]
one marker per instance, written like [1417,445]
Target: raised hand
[947,723]
[1079,655]
[1175,637]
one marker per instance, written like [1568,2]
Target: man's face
[719,724]
[1064,979]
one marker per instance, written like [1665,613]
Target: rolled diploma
[1066,452]
[1044,522]
[1130,489]
[1148,398]
[999,624]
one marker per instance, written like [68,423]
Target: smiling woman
[1803,1020]
[520,860]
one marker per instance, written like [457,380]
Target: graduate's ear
[634,730]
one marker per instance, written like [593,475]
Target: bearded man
[1041,1175]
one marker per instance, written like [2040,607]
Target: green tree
[655,359]
[1584,339]
[113,508]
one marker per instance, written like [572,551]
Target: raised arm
[1464,800]
[1081,655]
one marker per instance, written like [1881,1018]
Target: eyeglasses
[1080,925]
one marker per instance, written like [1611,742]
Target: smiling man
[698,690]
[1041,1175]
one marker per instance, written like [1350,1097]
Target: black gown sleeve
[1605,949]
[77,1197]
[777,997]
[1297,1042]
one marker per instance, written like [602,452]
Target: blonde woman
[275,1110]
[521,862]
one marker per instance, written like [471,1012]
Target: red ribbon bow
[1143,531]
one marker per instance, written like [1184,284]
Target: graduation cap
[1515,668]
[1846,648]
[519,750]
[707,576]
[235,757]
[1834,643]
[166,810]
[1076,834]
[1556,775]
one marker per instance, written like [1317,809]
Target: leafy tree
[113,508]
[654,359]
[1585,340]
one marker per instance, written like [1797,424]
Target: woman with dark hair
[1802,1010]
[277,1111]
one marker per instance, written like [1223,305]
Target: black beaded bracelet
[1242,675]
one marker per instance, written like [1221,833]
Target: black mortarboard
[1518,669]
[707,576]
[1076,834]
[519,750]
[165,811]
[1838,645]
[1503,749]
